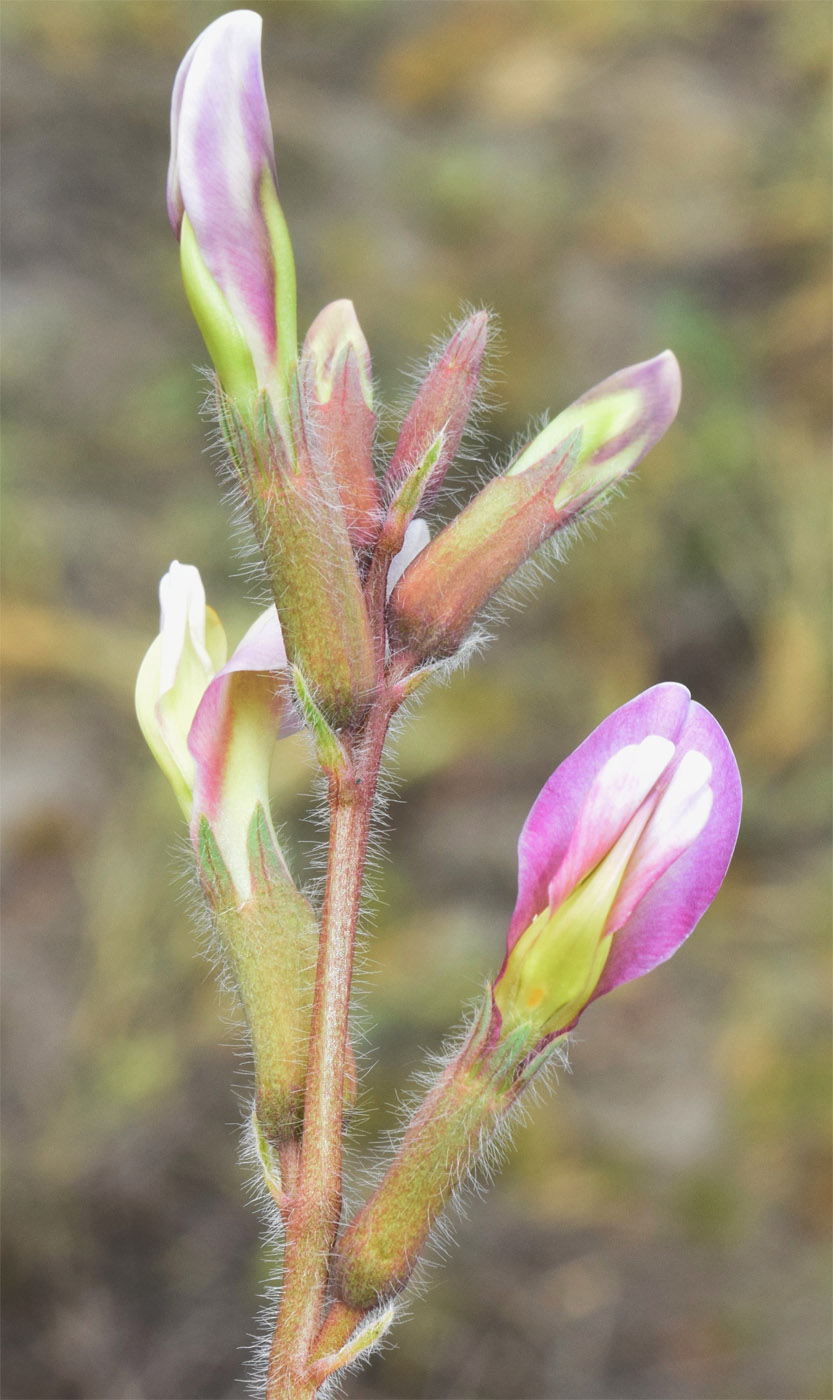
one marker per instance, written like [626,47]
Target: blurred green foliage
[609,178]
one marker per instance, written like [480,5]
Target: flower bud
[439,596]
[336,375]
[223,204]
[442,406]
[619,420]
[568,467]
[623,851]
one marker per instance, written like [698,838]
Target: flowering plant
[625,846]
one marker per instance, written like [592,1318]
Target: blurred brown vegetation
[611,178]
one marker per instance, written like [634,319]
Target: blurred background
[609,178]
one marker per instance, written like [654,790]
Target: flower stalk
[316,1208]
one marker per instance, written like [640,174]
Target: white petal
[182,617]
[417,537]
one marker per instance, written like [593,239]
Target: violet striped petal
[222,178]
[624,849]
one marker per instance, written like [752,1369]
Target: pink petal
[549,828]
[262,648]
[614,796]
[251,676]
[683,803]
[667,913]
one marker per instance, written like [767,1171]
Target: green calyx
[269,944]
[554,968]
[286,316]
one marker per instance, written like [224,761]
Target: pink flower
[624,849]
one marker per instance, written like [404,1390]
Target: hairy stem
[316,1208]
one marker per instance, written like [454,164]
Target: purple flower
[624,849]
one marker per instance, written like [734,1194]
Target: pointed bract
[442,405]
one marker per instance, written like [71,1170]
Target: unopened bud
[237,261]
[442,406]
[571,465]
[619,420]
[336,375]
[440,594]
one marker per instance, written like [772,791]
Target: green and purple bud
[337,379]
[624,849]
[570,466]
[223,205]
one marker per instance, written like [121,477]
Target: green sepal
[270,1169]
[266,863]
[216,880]
[538,1060]
[269,943]
[286,322]
[510,1050]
